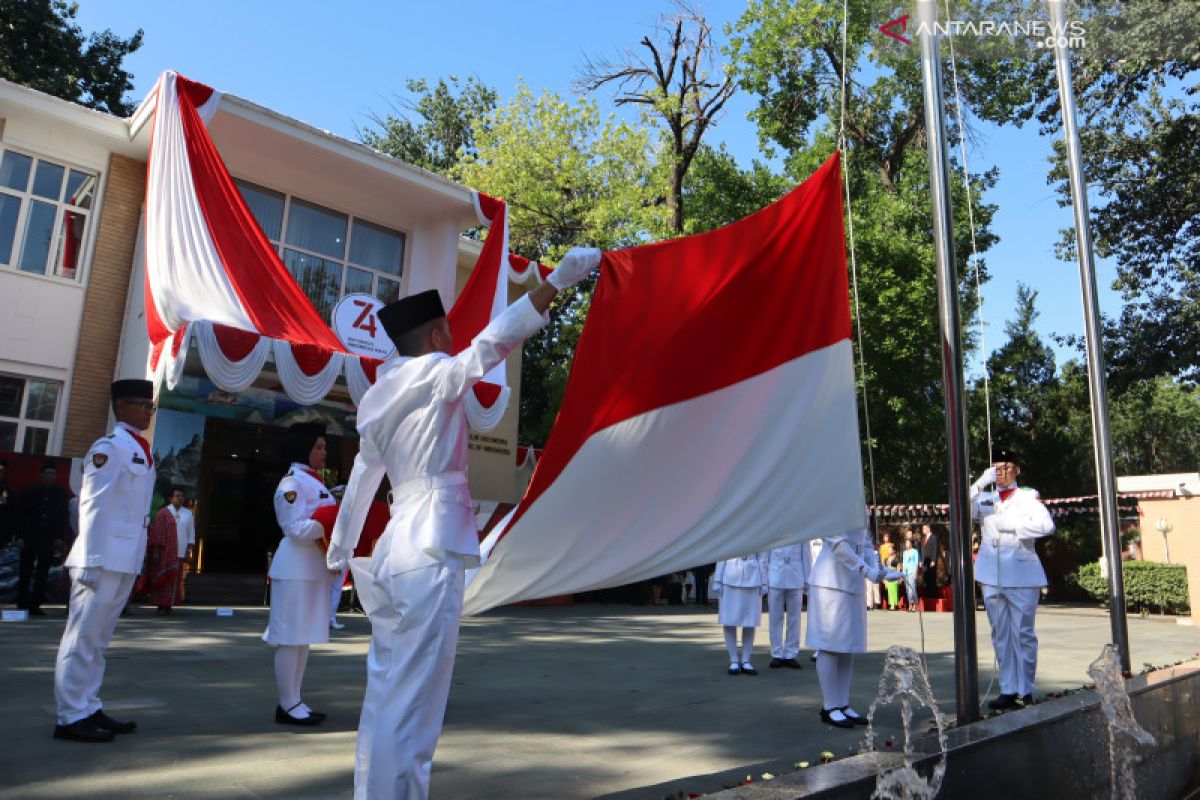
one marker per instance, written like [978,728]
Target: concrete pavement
[569,702]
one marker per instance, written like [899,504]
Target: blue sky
[331,64]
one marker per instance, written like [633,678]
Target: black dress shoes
[748,670]
[734,669]
[835,717]
[284,718]
[107,723]
[83,730]
[776,663]
[853,716]
[792,663]
[1026,699]
[1004,702]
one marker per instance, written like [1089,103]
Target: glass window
[358,281]
[36,440]
[39,226]
[321,279]
[44,210]
[14,170]
[10,207]
[387,290]
[28,407]
[266,206]
[81,189]
[43,400]
[11,392]
[70,243]
[311,227]
[377,248]
[48,180]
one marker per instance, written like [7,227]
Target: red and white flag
[710,410]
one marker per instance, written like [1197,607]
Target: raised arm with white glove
[988,476]
[576,265]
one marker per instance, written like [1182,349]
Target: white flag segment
[710,410]
[770,461]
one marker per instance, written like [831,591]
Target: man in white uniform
[185,533]
[1011,519]
[118,481]
[787,573]
[413,426]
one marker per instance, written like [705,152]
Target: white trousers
[335,593]
[91,619]
[414,631]
[785,636]
[1011,612]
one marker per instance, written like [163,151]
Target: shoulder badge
[290,473]
[138,459]
[111,436]
[99,460]
[324,495]
[289,496]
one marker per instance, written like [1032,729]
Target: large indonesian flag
[710,411]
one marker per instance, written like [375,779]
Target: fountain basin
[1057,748]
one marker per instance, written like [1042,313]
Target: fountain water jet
[904,678]
[1118,713]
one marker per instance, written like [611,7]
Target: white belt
[426,484]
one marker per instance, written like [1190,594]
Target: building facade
[343,219]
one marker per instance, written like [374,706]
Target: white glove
[576,265]
[988,476]
[715,589]
[88,576]
[337,558]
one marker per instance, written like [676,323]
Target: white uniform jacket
[114,503]
[298,556]
[413,426]
[788,567]
[1008,529]
[744,572]
[843,563]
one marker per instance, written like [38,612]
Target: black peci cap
[411,312]
[132,389]
[1006,455]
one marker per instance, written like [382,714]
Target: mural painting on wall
[199,396]
[178,443]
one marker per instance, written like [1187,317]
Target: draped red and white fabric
[213,280]
[710,410]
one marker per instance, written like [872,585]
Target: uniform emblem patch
[139,460]
[289,496]
[99,460]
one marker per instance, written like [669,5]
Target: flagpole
[962,572]
[1101,441]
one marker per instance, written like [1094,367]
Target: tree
[444,131]
[789,54]
[569,177]
[1156,428]
[679,83]
[717,191]
[1135,86]
[42,48]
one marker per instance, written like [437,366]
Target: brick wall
[104,305]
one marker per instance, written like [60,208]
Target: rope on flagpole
[862,366]
[962,143]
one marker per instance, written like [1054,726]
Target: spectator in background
[185,531]
[162,555]
[8,507]
[910,564]
[43,525]
[703,572]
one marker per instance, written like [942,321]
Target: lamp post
[1164,527]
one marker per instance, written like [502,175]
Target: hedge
[1149,586]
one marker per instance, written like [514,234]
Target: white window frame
[60,208]
[282,244]
[24,424]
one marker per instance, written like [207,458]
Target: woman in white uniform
[299,580]
[837,618]
[740,584]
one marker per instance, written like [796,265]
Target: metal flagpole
[966,666]
[1109,530]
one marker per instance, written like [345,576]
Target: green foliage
[1156,427]
[446,115]
[718,192]
[42,48]
[570,177]
[1149,586]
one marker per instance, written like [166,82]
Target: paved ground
[573,702]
